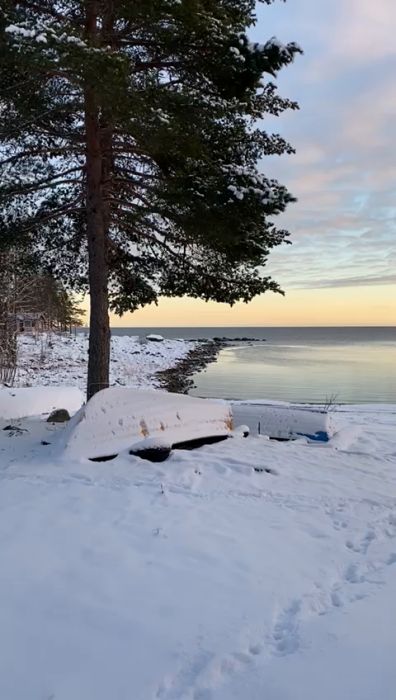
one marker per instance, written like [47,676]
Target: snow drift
[34,401]
[118,418]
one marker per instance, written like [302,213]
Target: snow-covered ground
[57,360]
[246,570]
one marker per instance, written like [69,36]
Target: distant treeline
[23,294]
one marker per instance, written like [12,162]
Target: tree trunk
[99,327]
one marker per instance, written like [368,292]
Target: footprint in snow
[207,671]
[285,634]
[364,544]
[255,649]
[336,599]
[354,575]
[183,685]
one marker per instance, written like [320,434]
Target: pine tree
[48,296]
[130,150]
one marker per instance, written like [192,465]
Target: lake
[346,364]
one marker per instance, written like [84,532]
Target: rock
[154,338]
[177,379]
[60,415]
[15,430]
[265,470]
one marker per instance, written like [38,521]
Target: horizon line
[345,325]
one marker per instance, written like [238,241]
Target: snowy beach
[54,359]
[246,569]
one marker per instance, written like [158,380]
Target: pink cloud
[366,29]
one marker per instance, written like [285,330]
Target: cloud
[350,282]
[343,174]
[365,30]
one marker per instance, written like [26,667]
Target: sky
[340,269]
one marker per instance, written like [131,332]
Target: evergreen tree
[68,313]
[48,295]
[130,150]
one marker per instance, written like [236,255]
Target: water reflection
[354,373]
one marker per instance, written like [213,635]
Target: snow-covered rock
[35,401]
[60,415]
[155,338]
[115,419]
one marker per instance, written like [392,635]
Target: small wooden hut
[32,323]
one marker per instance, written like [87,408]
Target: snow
[62,360]
[21,31]
[152,443]
[21,403]
[246,569]
[286,51]
[117,419]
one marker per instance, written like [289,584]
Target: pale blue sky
[344,172]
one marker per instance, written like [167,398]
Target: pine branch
[66,150]
[53,215]
[48,182]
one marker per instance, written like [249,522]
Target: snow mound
[118,418]
[284,422]
[34,401]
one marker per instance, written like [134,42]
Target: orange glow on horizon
[350,306]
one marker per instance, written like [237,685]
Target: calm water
[357,365]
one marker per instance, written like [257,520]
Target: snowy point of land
[244,570]
[62,360]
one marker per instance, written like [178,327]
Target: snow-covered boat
[284,421]
[118,419]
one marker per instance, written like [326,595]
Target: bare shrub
[330,403]
[8,352]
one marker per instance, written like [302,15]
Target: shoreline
[177,379]
[174,365]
